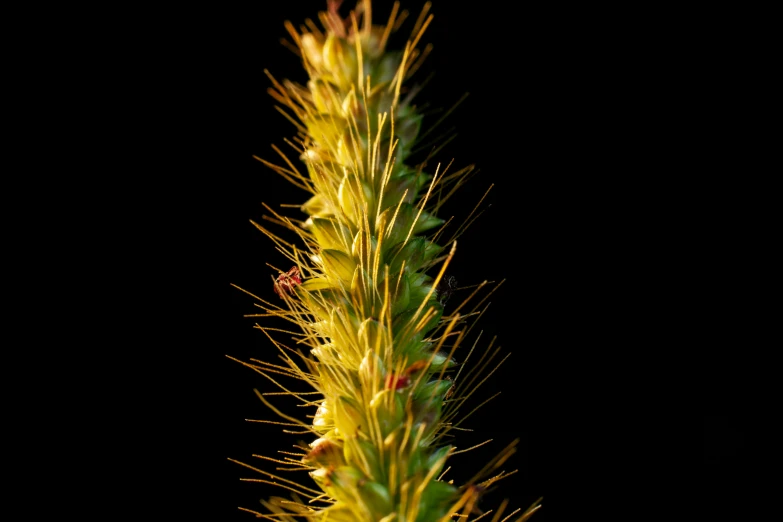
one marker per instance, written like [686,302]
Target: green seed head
[379,344]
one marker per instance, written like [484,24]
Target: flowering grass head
[365,287]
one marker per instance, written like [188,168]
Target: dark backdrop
[574,121]
[493,132]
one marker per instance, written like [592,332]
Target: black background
[618,385]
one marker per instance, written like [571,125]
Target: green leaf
[363,248]
[441,358]
[437,498]
[377,498]
[372,335]
[437,388]
[396,224]
[369,456]
[347,416]
[338,264]
[437,459]
[410,322]
[326,129]
[410,253]
[426,222]
[315,283]
[317,206]
[355,198]
[331,234]
[389,410]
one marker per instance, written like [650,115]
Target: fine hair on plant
[381,348]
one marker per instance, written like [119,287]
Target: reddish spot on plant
[396,382]
[287,281]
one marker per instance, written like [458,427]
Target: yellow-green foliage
[366,287]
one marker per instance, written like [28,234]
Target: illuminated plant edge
[379,342]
